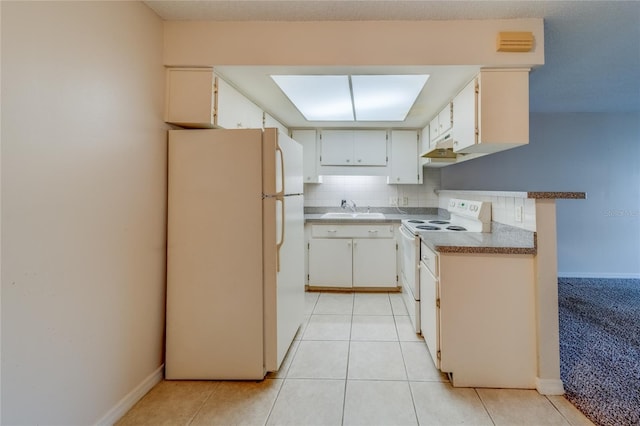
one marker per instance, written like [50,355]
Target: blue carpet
[600,348]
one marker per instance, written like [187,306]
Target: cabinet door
[270,121]
[425,139]
[190,97]
[337,148]
[434,128]
[374,262]
[465,117]
[445,119]
[405,168]
[309,154]
[234,111]
[429,312]
[370,147]
[503,105]
[330,262]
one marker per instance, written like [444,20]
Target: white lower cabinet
[430,303]
[374,262]
[478,317]
[352,256]
[330,263]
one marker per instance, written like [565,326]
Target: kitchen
[201,97]
[136,166]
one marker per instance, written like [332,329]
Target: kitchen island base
[486,313]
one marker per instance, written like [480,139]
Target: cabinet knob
[359,160]
[348,161]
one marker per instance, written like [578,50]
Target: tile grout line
[346,377]
[557,409]
[195,414]
[293,355]
[406,370]
[484,405]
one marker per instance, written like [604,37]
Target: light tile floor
[355,361]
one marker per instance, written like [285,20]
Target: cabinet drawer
[352,231]
[429,258]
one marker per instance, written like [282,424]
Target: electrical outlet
[519,212]
[405,201]
[393,201]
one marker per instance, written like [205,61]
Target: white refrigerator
[235,252]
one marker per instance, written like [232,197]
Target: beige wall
[83,207]
[189,43]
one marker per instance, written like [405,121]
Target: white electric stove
[465,216]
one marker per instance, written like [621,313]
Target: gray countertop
[388,218]
[539,195]
[503,239]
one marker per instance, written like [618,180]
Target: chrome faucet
[350,204]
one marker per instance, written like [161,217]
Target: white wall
[83,207]
[598,153]
[372,191]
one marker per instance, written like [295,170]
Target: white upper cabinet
[492,112]
[405,158]
[234,111]
[197,98]
[310,157]
[270,121]
[354,148]
[441,124]
[370,147]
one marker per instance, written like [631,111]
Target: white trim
[125,404]
[607,275]
[549,386]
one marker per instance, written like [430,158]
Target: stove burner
[456,228]
[439,222]
[428,228]
[415,221]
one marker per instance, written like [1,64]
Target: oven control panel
[480,210]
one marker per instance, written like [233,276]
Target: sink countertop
[388,218]
[503,239]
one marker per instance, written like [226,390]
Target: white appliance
[235,265]
[465,216]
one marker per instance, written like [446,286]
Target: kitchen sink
[342,215]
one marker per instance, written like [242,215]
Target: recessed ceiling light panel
[385,97]
[375,97]
[318,97]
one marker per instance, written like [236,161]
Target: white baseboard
[549,386]
[597,275]
[125,404]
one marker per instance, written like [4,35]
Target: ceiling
[592,49]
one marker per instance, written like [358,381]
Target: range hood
[443,149]
[443,155]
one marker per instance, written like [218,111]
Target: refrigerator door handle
[281,154]
[282,225]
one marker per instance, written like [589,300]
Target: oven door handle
[406,234]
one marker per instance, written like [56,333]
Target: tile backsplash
[372,191]
[503,206]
